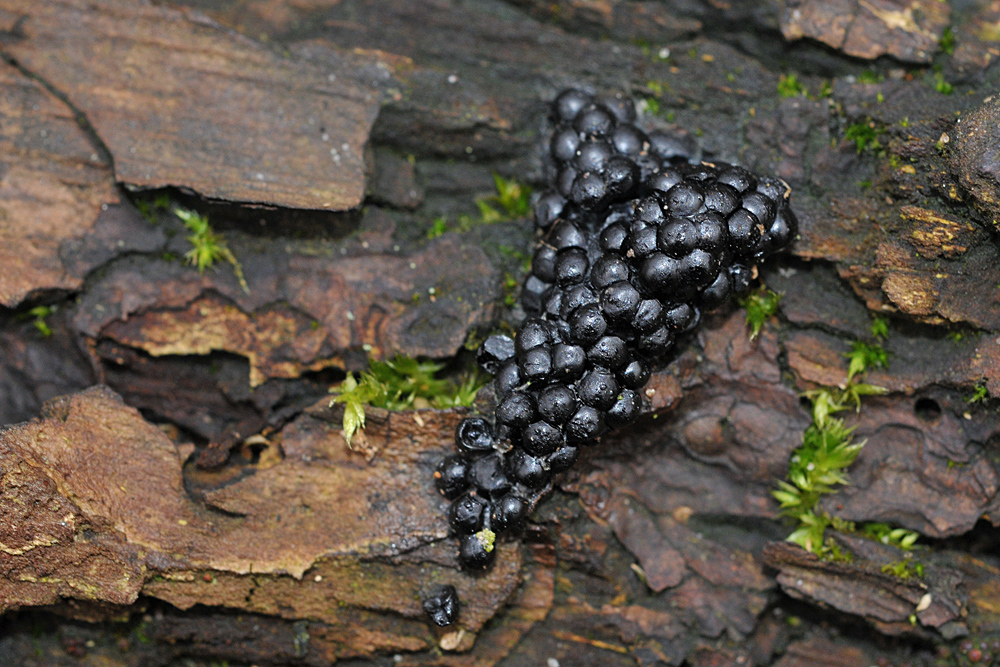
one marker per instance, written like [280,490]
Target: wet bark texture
[175,487]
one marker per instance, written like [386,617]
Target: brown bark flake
[52,185]
[181,102]
[102,513]
[905,29]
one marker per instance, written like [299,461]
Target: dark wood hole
[927,409]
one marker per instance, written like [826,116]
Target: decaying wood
[207,492]
[53,183]
[180,102]
[908,31]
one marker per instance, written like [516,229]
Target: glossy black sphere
[569,103]
[588,190]
[556,404]
[587,324]
[593,155]
[547,209]
[568,362]
[738,178]
[543,264]
[634,374]
[614,238]
[744,232]
[450,476]
[619,301]
[644,242]
[648,315]
[509,513]
[677,237]
[536,364]
[648,210]
[722,198]
[609,268]
[625,409]
[685,198]
[598,388]
[585,426]
[563,458]
[564,144]
[628,140]
[507,379]
[516,411]
[527,469]
[571,266]
[608,352]
[466,514]
[593,121]
[541,438]
[475,551]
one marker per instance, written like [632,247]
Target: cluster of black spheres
[637,239]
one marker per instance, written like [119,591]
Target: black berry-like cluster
[637,240]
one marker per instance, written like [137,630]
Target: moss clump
[401,383]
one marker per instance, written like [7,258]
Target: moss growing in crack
[38,316]
[979,395]
[870,76]
[512,201]
[402,383]
[904,569]
[512,198]
[438,227]
[865,136]
[760,305]
[901,538]
[510,290]
[941,85]
[864,356]
[790,86]
[947,41]
[148,208]
[208,247]
[819,466]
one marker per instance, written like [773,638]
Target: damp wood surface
[175,484]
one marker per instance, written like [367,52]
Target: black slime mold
[637,239]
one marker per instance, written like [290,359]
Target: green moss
[790,86]
[863,356]
[905,569]
[207,247]
[438,227]
[865,136]
[38,315]
[818,467]
[880,328]
[886,534]
[760,305]
[401,383]
[941,85]
[980,395]
[510,291]
[148,208]
[947,41]
[512,201]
